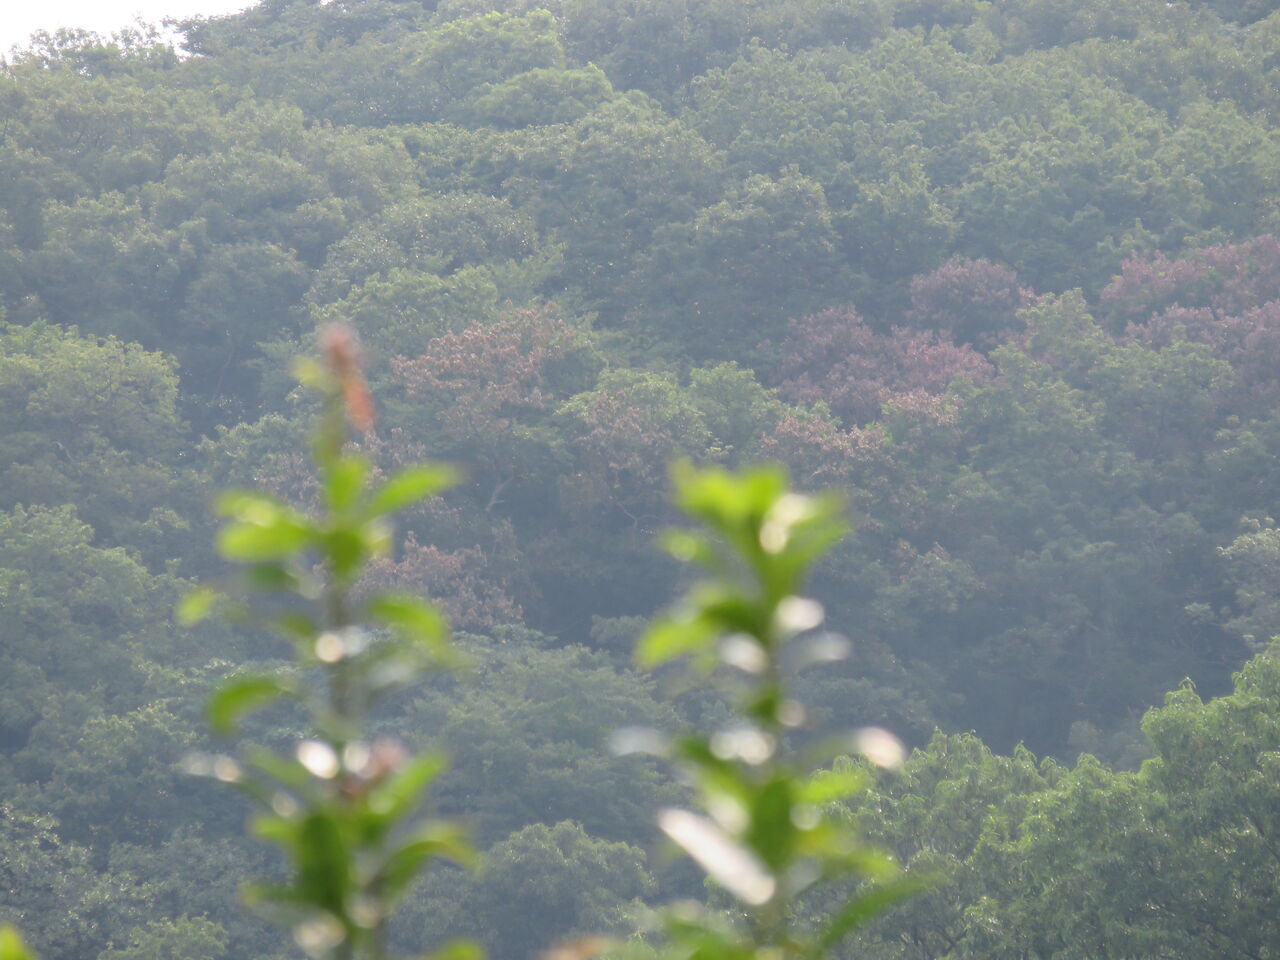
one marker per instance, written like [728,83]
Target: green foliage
[339,805]
[544,877]
[1253,559]
[188,938]
[543,96]
[1173,859]
[94,422]
[769,837]
[11,945]
[563,701]
[1044,544]
[80,620]
[55,894]
[469,58]
[766,251]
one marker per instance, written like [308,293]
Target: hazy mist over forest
[1003,274]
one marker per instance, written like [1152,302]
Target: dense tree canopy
[1003,274]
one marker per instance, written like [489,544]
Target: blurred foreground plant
[341,807]
[11,945]
[769,834]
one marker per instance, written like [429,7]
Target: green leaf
[722,774]
[11,945]
[344,481]
[434,839]
[870,862]
[396,795]
[239,696]
[274,540]
[378,534]
[278,830]
[722,499]
[672,637]
[256,894]
[296,626]
[687,546]
[457,950]
[310,372]
[772,831]
[828,786]
[269,577]
[411,485]
[285,769]
[697,937]
[196,605]
[345,549]
[862,909]
[730,613]
[245,504]
[324,863]
[412,618]
[262,528]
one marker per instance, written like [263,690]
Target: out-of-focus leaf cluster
[340,805]
[770,831]
[12,947]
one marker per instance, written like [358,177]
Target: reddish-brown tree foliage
[461,582]
[1226,280]
[1226,297]
[835,358]
[493,374]
[817,450]
[968,301]
[485,389]
[622,436]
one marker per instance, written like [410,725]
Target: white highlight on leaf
[824,648]
[197,764]
[748,744]
[318,758]
[728,811]
[728,863]
[805,816]
[260,513]
[627,740]
[739,650]
[797,614]
[365,912]
[880,747]
[333,646]
[319,935]
[391,673]
[791,713]
[226,770]
[790,509]
[355,756]
[330,648]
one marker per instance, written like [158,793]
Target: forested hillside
[1003,273]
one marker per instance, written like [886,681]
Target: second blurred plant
[342,808]
[769,832]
